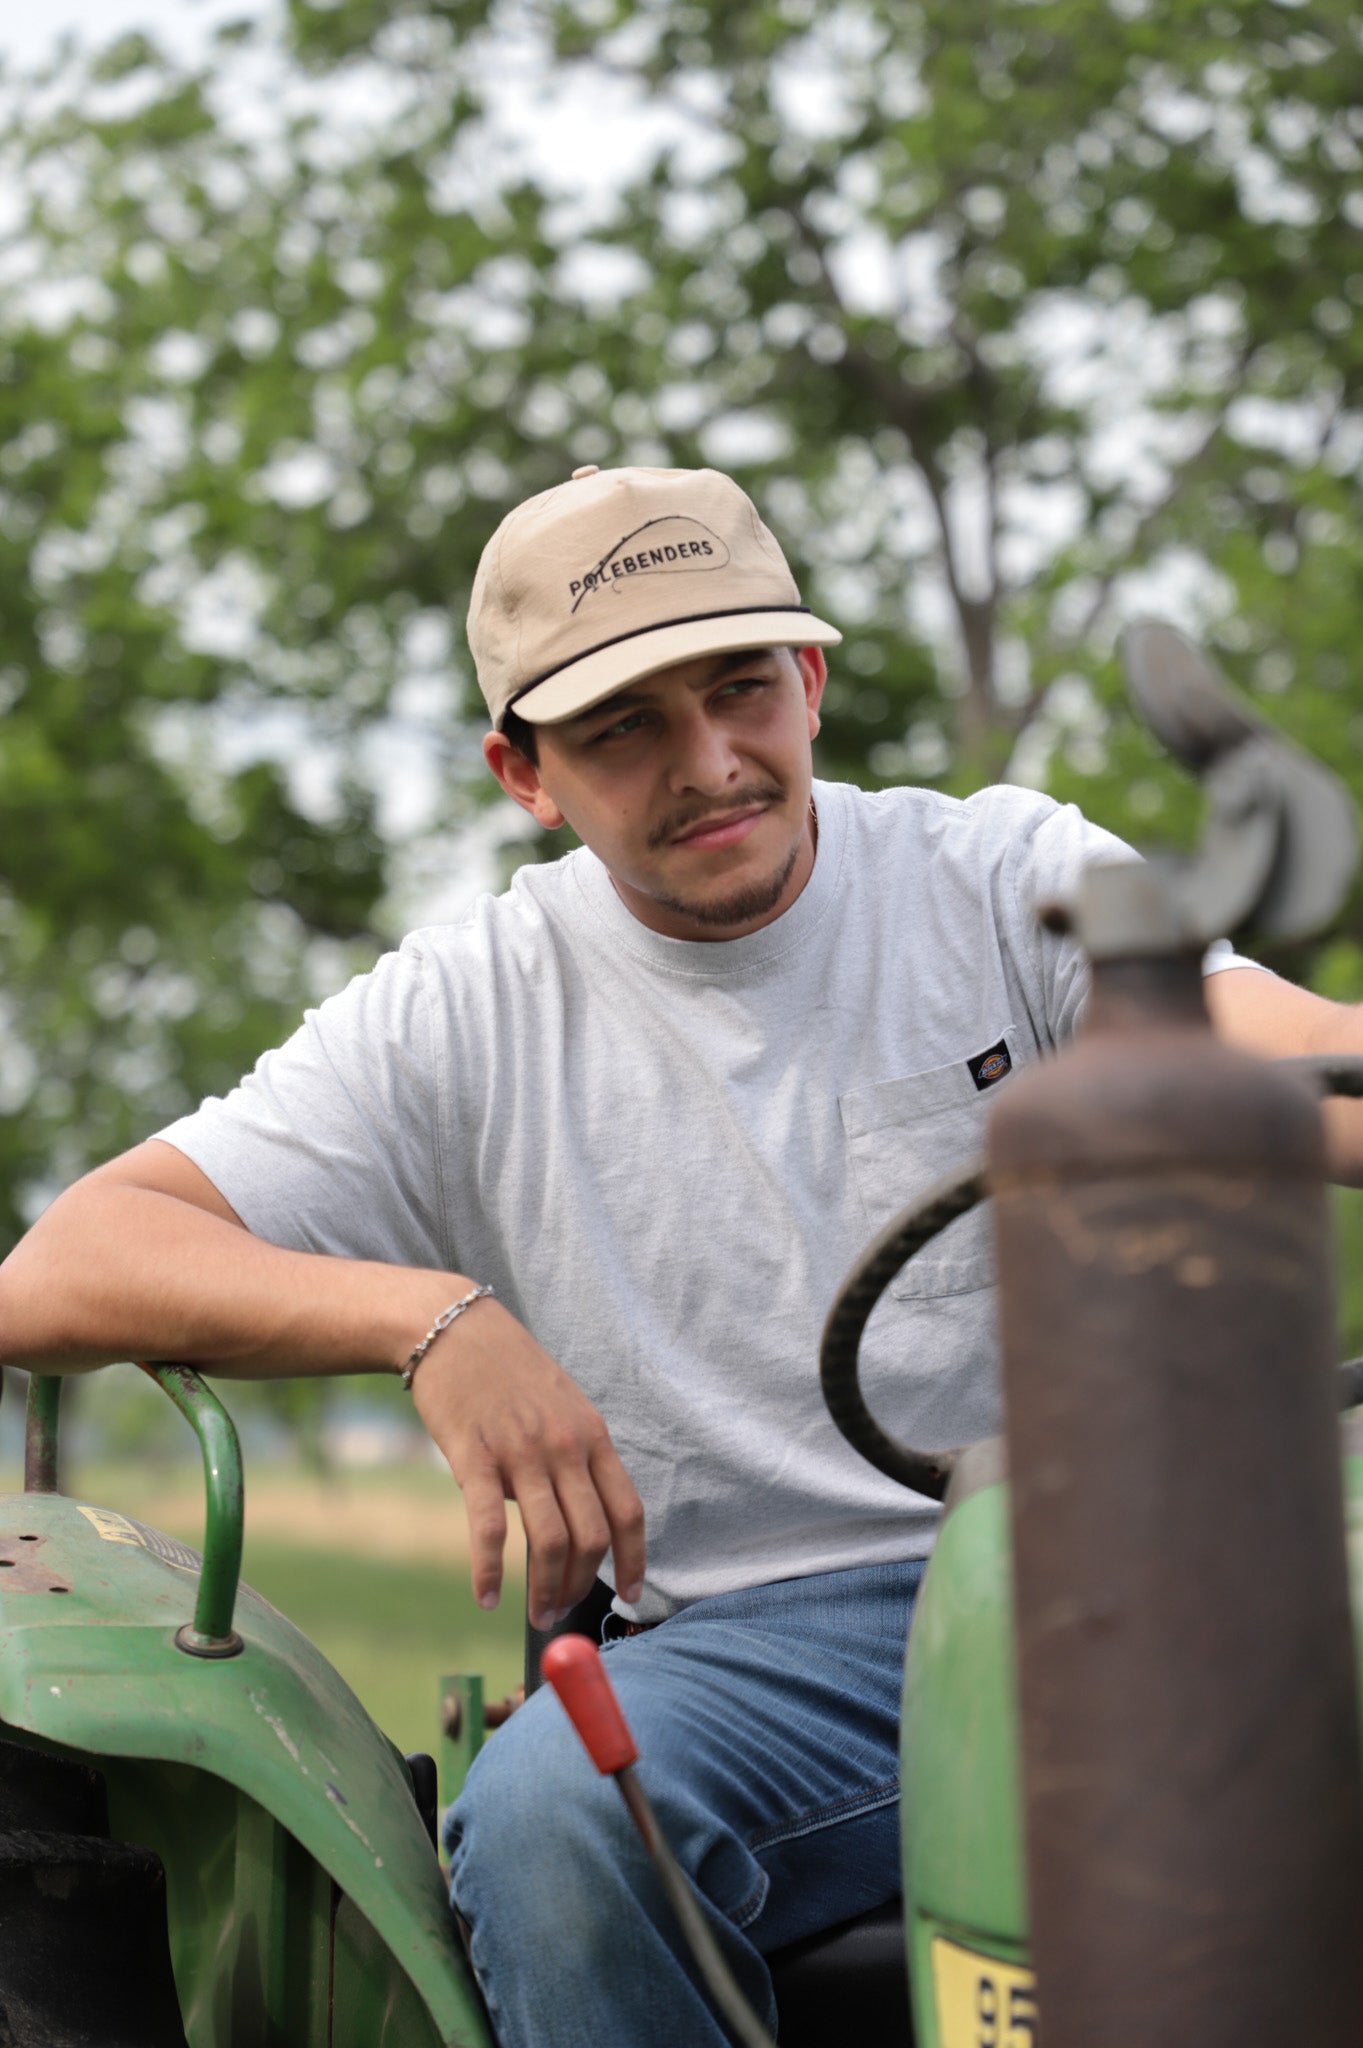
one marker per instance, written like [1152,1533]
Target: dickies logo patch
[990,1066]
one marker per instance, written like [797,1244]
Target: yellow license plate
[981,2002]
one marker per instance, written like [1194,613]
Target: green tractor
[1131,1746]
[203,1836]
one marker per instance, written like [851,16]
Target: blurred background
[1015,316]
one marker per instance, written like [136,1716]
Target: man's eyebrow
[610,707]
[630,699]
[742,657]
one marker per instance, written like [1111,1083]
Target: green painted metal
[963,1861]
[962,1831]
[462,1729]
[211,1632]
[964,1875]
[40,1432]
[922,1930]
[374,2006]
[280,1763]
[250,1911]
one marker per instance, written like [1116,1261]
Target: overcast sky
[28,34]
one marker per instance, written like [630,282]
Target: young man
[657,1097]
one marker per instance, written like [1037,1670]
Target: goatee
[755,899]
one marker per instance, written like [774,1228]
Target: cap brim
[608,669]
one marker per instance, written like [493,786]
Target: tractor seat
[848,1978]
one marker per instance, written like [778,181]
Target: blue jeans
[767,1723]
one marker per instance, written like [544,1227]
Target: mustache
[738,800]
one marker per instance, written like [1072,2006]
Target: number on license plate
[982,2002]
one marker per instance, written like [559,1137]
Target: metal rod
[40,1433]
[716,1972]
[1188,1721]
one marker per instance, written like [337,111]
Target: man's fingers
[486,1512]
[523,1431]
[625,1517]
[546,1536]
[588,1532]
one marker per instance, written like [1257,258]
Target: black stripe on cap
[730,611]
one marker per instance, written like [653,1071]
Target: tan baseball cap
[621,572]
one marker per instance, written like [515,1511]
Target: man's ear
[814,674]
[520,779]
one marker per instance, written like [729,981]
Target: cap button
[587,469]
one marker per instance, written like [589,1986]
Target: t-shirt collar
[712,958]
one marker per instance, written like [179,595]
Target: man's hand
[144,1258]
[513,1426]
[1264,1014]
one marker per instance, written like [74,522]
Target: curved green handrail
[211,1634]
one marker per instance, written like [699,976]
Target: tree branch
[1153,514]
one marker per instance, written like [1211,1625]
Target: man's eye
[742,686]
[632,722]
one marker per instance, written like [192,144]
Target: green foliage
[1348,1217]
[1013,317]
[157,906]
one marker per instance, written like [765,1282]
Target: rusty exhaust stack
[1190,1731]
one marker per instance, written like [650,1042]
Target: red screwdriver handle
[573,1666]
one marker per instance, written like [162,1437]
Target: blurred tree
[163,911]
[1018,312]
[1013,318]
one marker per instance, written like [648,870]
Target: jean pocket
[907,1133]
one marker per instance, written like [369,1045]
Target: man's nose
[703,756]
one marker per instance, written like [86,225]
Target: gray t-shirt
[665,1154]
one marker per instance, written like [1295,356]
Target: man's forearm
[1267,1015]
[144,1258]
[114,1272]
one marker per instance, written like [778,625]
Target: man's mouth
[727,829]
[724,827]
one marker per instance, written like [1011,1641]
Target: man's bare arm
[144,1258]
[1267,1015]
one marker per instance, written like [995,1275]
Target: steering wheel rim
[929,1472]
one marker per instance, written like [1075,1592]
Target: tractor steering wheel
[929,1472]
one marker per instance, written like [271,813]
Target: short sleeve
[1049,860]
[1221,954]
[332,1144]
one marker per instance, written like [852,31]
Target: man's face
[691,785]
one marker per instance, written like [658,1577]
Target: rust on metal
[22,1569]
[40,1433]
[1191,1766]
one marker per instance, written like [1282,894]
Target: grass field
[373,1566]
[391,1626]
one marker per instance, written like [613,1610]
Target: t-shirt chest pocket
[903,1135]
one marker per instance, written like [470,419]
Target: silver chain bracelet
[442,1322]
